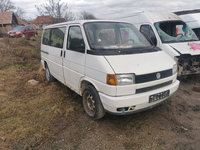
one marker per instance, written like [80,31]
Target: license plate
[158,96]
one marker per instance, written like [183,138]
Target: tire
[49,77]
[92,104]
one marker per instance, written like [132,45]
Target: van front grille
[154,87]
[152,76]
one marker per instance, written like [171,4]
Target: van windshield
[114,36]
[174,32]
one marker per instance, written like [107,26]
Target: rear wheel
[49,77]
[92,103]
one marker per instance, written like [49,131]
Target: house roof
[6,17]
[21,22]
[43,20]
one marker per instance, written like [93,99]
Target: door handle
[64,53]
[61,53]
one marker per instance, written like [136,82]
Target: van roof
[160,16]
[81,22]
[152,16]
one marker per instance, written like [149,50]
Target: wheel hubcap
[89,104]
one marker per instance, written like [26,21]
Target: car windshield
[114,35]
[174,32]
[19,28]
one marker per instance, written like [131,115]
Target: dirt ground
[51,117]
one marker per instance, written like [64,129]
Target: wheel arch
[84,82]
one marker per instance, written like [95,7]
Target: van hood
[142,63]
[192,48]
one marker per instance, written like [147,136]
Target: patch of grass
[129,146]
[2,73]
[20,119]
[33,51]
[33,38]
[28,114]
[18,66]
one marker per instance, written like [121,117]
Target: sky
[112,9]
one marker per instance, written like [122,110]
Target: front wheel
[92,103]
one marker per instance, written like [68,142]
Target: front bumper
[136,102]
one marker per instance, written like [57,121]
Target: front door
[74,58]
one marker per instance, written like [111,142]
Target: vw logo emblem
[158,75]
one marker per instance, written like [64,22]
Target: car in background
[22,31]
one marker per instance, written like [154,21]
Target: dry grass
[28,113]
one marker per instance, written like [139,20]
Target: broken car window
[175,31]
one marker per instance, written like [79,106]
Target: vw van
[168,32]
[110,64]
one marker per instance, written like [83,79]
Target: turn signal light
[111,79]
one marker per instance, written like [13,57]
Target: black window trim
[68,38]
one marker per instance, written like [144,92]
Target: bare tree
[56,9]
[19,12]
[6,5]
[86,15]
[69,16]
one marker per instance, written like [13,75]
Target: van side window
[75,39]
[46,37]
[147,31]
[57,37]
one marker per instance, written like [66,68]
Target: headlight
[125,79]
[120,79]
[174,69]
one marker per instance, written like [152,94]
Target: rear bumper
[135,102]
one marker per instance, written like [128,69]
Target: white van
[110,64]
[168,32]
[192,19]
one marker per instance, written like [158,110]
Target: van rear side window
[46,37]
[57,37]
[54,37]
